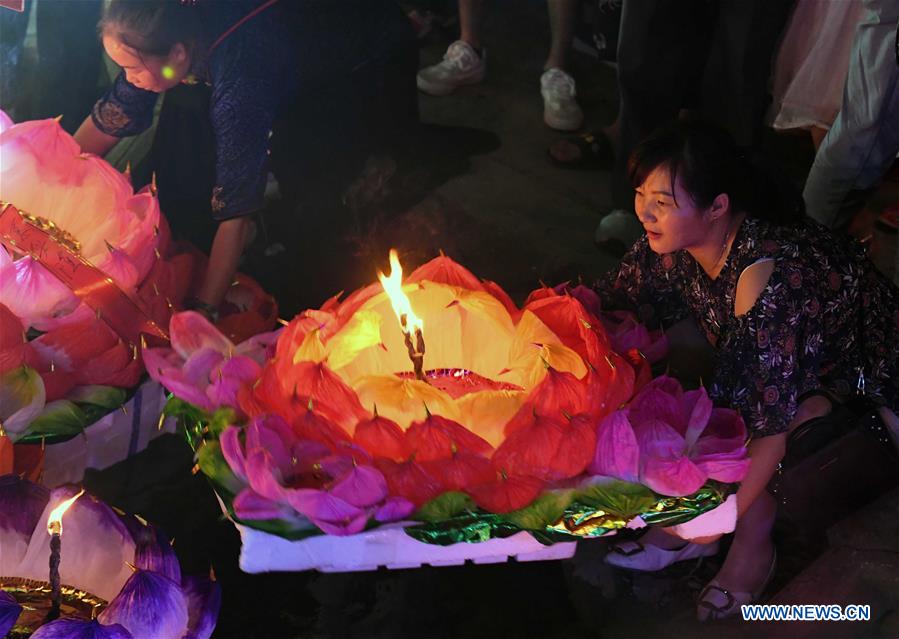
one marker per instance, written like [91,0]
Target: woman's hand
[93,140]
[227,248]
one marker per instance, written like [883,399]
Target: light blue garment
[864,139]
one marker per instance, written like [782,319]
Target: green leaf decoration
[614,496]
[221,419]
[61,418]
[445,506]
[108,397]
[214,466]
[544,510]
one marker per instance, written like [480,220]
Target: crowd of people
[793,308]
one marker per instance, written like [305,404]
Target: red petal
[410,480]
[330,395]
[496,291]
[444,270]
[309,425]
[578,446]
[382,438]
[570,321]
[58,383]
[437,437]
[609,385]
[533,450]
[506,494]
[461,470]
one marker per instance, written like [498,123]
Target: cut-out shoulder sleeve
[646,283]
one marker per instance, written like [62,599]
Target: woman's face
[671,220]
[150,73]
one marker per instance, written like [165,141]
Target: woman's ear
[720,206]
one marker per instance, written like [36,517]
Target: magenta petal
[362,486]
[204,600]
[658,400]
[264,475]
[9,611]
[348,527]
[190,393]
[728,467]
[78,629]
[726,424]
[394,509]
[251,505]
[318,505]
[658,439]
[150,606]
[271,433]
[161,362]
[337,465]
[672,477]
[697,409]
[617,452]
[198,367]
[233,452]
[308,454]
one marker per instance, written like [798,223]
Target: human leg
[562,17]
[560,108]
[464,62]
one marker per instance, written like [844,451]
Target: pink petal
[394,509]
[319,505]
[273,435]
[347,527]
[727,467]
[251,505]
[191,332]
[658,400]
[232,451]
[32,293]
[198,367]
[697,408]
[362,486]
[673,477]
[658,439]
[265,475]
[617,451]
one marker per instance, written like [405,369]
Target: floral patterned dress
[825,315]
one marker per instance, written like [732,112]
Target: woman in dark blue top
[260,57]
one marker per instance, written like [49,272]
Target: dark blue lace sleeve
[249,85]
[125,110]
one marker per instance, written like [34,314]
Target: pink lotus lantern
[88,273]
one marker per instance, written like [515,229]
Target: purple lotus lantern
[117,576]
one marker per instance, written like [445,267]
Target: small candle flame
[393,286]
[54,522]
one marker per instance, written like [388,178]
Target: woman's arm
[227,247]
[93,140]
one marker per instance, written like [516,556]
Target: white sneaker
[560,109]
[633,555]
[461,65]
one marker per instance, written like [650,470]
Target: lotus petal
[21,505]
[230,376]
[445,270]
[250,505]
[22,397]
[585,295]
[120,268]
[150,606]
[409,480]
[394,509]
[153,552]
[6,455]
[32,293]
[191,332]
[307,424]
[79,629]
[577,447]
[617,452]
[660,400]
[330,395]
[362,486]
[9,612]
[204,599]
[5,121]
[382,438]
[13,344]
[461,470]
[532,450]
[675,477]
[506,493]
[330,513]
[497,291]
[697,409]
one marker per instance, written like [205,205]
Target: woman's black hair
[152,27]
[709,163]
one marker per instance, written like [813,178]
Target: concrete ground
[483,191]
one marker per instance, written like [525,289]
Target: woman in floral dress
[798,318]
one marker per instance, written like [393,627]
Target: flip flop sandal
[596,153]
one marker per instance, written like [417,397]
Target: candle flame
[393,286]
[54,522]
